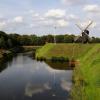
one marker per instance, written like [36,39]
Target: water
[26,79]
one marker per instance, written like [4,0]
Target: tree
[60,38]
[69,38]
[2,42]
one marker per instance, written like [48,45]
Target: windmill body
[84,37]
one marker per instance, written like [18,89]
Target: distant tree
[3,34]
[69,38]
[95,40]
[2,42]
[60,38]
[50,38]
[10,43]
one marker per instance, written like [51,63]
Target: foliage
[59,59]
[7,41]
[11,40]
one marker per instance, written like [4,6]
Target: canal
[23,78]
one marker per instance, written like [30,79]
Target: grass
[86,75]
[43,52]
[30,48]
[63,50]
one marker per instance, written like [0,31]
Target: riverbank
[30,48]
[70,51]
[86,76]
[8,54]
[5,54]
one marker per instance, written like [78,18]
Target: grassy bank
[63,50]
[86,74]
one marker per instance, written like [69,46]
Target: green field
[86,74]
[64,50]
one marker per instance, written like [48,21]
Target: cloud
[71,17]
[66,85]
[51,18]
[32,89]
[91,8]
[52,23]
[55,13]
[3,24]
[62,23]
[18,19]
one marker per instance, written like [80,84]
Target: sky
[42,17]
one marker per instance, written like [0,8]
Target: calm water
[26,79]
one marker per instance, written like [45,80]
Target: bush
[41,59]
[59,59]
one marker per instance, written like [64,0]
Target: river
[23,78]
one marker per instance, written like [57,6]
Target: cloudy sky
[42,16]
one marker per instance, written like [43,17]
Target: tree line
[12,40]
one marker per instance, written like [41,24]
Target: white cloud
[18,19]
[71,17]
[55,13]
[91,8]
[2,24]
[52,23]
[62,23]
[32,89]
[66,85]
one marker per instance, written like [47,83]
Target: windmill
[84,36]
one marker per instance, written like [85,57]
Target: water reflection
[59,65]
[27,79]
[32,89]
[2,65]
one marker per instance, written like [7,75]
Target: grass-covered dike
[86,76]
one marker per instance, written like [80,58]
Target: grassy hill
[86,74]
[63,50]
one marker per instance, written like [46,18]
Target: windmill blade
[88,25]
[79,27]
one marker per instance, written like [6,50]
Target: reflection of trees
[3,65]
[59,65]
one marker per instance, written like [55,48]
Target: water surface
[26,79]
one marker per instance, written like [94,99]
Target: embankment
[8,54]
[5,55]
[86,75]
[70,51]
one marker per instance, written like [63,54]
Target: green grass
[63,50]
[43,52]
[86,74]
